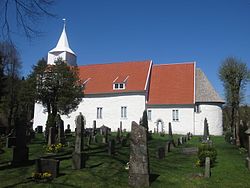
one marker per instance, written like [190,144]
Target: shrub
[206,150]
[228,136]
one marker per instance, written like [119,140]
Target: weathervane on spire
[64,22]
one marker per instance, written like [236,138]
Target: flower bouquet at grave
[54,148]
[42,177]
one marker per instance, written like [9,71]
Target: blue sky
[166,31]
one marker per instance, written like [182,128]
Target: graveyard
[101,159]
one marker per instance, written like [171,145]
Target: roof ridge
[122,62]
[180,63]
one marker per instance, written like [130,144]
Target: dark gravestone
[68,130]
[167,147]
[39,129]
[20,151]
[139,161]
[206,131]
[48,165]
[247,132]
[60,128]
[52,136]
[170,134]
[161,153]
[118,136]
[10,141]
[120,127]
[111,147]
[179,141]
[94,132]
[78,158]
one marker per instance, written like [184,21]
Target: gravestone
[94,132]
[161,153]
[206,131]
[139,159]
[207,168]
[170,134]
[10,141]
[48,165]
[52,136]
[247,132]
[111,147]
[39,129]
[78,158]
[178,141]
[68,130]
[60,127]
[167,147]
[120,127]
[118,136]
[20,151]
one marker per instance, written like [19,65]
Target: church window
[197,108]
[149,115]
[99,113]
[123,112]
[175,114]
[118,86]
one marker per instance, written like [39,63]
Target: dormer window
[118,86]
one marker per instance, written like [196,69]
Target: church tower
[62,50]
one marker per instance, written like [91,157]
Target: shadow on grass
[153,177]
[24,164]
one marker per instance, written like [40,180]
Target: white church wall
[165,114]
[213,113]
[111,111]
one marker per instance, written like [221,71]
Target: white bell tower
[62,50]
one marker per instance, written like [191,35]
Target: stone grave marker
[39,129]
[60,127]
[51,136]
[120,127]
[139,161]
[161,153]
[207,168]
[78,158]
[20,151]
[206,131]
[111,147]
[167,147]
[118,136]
[178,141]
[247,132]
[94,132]
[68,130]
[48,165]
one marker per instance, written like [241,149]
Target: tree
[10,78]
[23,15]
[234,74]
[58,88]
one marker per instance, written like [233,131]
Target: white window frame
[197,108]
[149,115]
[119,86]
[175,115]
[124,111]
[99,112]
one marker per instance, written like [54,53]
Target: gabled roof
[99,78]
[172,84]
[204,91]
[62,44]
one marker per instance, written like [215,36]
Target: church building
[118,93]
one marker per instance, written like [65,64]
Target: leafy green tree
[58,88]
[234,74]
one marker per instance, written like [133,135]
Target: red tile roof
[172,84]
[99,78]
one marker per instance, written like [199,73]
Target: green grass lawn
[102,170]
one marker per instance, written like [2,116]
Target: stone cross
[20,151]
[247,132]
[52,136]
[139,159]
[78,160]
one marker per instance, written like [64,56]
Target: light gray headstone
[139,161]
